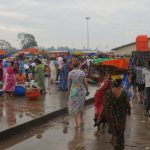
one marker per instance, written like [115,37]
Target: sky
[62,22]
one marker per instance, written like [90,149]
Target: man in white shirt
[44,61]
[88,64]
[60,65]
[146,72]
[60,62]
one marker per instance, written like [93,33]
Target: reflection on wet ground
[18,110]
[59,135]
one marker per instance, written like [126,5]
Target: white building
[126,49]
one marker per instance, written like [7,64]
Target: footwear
[112,141]
[76,127]
[140,102]
[147,114]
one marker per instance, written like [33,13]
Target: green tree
[5,45]
[27,40]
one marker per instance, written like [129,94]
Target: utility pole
[87,19]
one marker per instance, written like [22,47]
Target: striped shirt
[140,77]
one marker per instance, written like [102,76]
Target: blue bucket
[19,91]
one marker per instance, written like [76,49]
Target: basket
[33,94]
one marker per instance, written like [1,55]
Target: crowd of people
[111,100]
[114,96]
[19,71]
[141,83]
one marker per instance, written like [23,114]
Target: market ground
[15,111]
[57,135]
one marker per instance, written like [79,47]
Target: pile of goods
[116,67]
[113,66]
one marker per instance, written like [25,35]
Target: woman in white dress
[53,69]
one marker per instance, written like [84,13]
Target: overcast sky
[62,22]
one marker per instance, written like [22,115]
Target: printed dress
[116,111]
[77,95]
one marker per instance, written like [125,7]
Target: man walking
[146,72]
[140,80]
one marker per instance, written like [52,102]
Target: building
[126,49]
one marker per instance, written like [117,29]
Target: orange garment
[20,78]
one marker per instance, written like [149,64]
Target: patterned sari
[40,76]
[116,111]
[99,99]
[10,80]
[64,77]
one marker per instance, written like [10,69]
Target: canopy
[20,53]
[32,50]
[99,60]
[2,52]
[77,53]
[121,63]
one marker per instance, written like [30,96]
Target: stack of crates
[142,43]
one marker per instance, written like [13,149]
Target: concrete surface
[15,111]
[57,135]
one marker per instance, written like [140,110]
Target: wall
[127,50]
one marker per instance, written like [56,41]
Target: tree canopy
[5,45]
[27,40]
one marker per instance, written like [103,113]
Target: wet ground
[18,110]
[57,135]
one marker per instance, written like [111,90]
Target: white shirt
[60,62]
[33,64]
[26,66]
[44,61]
[146,72]
[88,62]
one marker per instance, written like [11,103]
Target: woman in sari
[10,80]
[99,100]
[116,108]
[64,76]
[40,75]
[20,78]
